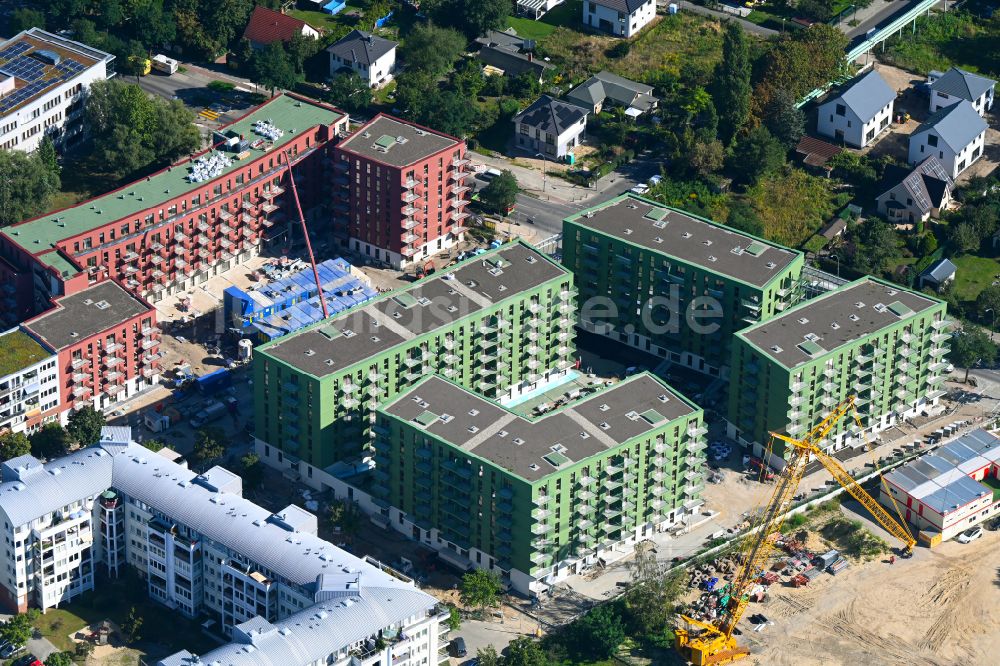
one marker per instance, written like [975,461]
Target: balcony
[180,237]
[409,224]
[273,191]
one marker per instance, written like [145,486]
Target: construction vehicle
[425,270]
[712,642]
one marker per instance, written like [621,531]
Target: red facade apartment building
[107,344]
[176,228]
[84,276]
[400,191]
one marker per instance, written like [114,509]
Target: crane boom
[305,234]
[715,644]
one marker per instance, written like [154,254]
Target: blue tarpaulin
[334,7]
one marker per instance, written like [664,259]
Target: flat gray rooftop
[83,314]
[833,320]
[395,142]
[534,448]
[677,234]
[336,343]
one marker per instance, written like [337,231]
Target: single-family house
[937,275]
[955,134]
[605,88]
[506,39]
[267,25]
[859,112]
[957,84]
[372,57]
[501,61]
[536,9]
[917,195]
[550,127]
[621,18]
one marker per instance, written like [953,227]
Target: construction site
[846,576]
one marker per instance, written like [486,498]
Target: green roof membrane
[18,350]
[287,113]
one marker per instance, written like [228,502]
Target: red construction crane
[305,234]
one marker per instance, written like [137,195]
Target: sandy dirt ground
[938,608]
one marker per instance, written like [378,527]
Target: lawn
[682,41]
[324,21]
[942,40]
[529,29]
[161,629]
[973,275]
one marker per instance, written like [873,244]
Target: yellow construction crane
[713,642]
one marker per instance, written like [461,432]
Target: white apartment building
[861,111]
[204,550]
[622,18]
[955,85]
[43,80]
[29,382]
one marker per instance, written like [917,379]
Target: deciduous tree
[271,68]
[350,92]
[27,185]
[481,589]
[756,155]
[14,444]
[597,635]
[51,441]
[432,49]
[85,425]
[209,446]
[523,651]
[972,346]
[501,193]
[733,90]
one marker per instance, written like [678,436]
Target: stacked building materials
[292,301]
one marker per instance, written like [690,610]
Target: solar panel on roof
[25,68]
[14,50]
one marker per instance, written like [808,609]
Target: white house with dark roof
[917,195]
[372,57]
[957,84]
[550,126]
[954,134]
[605,87]
[859,113]
[621,18]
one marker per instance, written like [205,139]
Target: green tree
[523,651]
[344,517]
[132,626]
[877,246]
[432,49]
[479,16]
[449,112]
[733,90]
[24,18]
[60,659]
[971,346]
[454,618]
[26,186]
[928,243]
[524,86]
[17,630]
[253,470]
[650,598]
[415,91]
[209,446]
[271,68]
[488,656]
[784,119]
[963,238]
[47,154]
[988,304]
[85,425]
[132,130]
[154,445]
[14,444]
[350,92]
[706,158]
[597,635]
[501,192]
[481,589]
[756,155]
[51,441]
[743,217]
[153,25]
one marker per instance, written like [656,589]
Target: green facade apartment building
[538,499]
[678,286]
[869,338]
[500,324]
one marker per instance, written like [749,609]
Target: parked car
[655,180]
[641,188]
[458,647]
[970,535]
